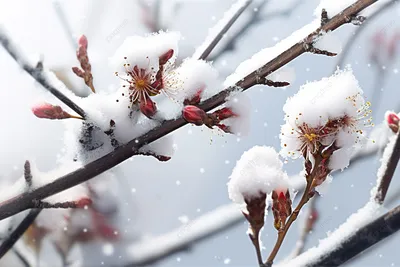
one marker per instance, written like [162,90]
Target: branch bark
[361,240]
[24,201]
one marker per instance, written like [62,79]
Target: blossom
[323,113]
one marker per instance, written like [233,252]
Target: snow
[267,54]
[362,217]
[214,31]
[185,235]
[240,104]
[258,170]
[336,98]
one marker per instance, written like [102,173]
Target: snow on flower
[259,171]
[324,112]
[240,105]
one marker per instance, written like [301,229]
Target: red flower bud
[166,56]
[195,115]
[393,121]
[224,113]
[48,111]
[195,99]
[148,107]
[281,207]
[224,128]
[83,202]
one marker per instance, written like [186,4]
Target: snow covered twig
[94,168]
[37,74]
[229,19]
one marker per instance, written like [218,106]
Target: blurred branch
[152,250]
[357,32]
[309,222]
[257,17]
[120,154]
[37,74]
[21,257]
[65,24]
[217,38]
[9,242]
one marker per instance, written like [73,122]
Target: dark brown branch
[360,240]
[389,172]
[227,26]
[351,41]
[37,74]
[24,201]
[9,242]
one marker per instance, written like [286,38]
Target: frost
[258,170]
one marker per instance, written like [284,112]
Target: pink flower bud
[148,107]
[78,72]
[83,202]
[48,111]
[195,115]
[82,41]
[166,56]
[393,121]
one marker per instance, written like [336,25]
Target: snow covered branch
[120,154]
[37,74]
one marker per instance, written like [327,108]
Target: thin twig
[92,169]
[21,257]
[255,18]
[37,74]
[9,242]
[351,41]
[388,172]
[65,24]
[226,27]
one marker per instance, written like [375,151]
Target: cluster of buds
[281,207]
[85,72]
[255,214]
[51,112]
[392,121]
[143,84]
[197,116]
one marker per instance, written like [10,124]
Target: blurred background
[154,197]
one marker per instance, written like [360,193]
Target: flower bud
[48,111]
[393,121]
[195,99]
[82,41]
[195,115]
[83,202]
[255,212]
[148,107]
[166,56]
[281,207]
[224,113]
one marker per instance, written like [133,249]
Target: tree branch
[351,41]
[37,74]
[9,242]
[255,18]
[92,169]
[234,16]
[361,240]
